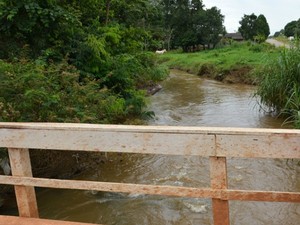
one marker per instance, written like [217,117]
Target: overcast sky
[277,12]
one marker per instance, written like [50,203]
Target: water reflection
[188,100]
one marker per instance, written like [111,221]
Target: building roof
[234,36]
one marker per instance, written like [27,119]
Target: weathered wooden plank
[13,220]
[155,143]
[262,196]
[105,141]
[243,195]
[218,178]
[259,146]
[155,129]
[25,195]
[218,172]
[110,187]
[232,142]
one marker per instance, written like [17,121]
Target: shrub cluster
[62,61]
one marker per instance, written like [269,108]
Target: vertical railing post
[25,195]
[218,174]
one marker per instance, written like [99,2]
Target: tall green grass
[279,86]
[221,60]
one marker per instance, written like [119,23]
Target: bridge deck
[13,220]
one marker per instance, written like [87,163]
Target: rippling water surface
[185,100]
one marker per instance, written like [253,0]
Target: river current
[185,100]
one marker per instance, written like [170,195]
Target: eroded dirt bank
[240,74]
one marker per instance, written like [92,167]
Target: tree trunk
[107,11]
[169,37]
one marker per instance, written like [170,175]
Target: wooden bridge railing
[215,143]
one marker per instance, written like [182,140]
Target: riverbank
[235,63]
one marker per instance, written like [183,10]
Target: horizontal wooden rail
[12,220]
[216,143]
[228,194]
[201,141]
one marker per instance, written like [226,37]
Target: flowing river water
[185,100]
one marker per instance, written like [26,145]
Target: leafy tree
[278,33]
[253,26]
[181,22]
[167,32]
[188,24]
[262,27]
[292,28]
[289,28]
[213,28]
[88,10]
[39,24]
[247,28]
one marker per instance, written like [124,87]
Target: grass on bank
[279,86]
[220,62]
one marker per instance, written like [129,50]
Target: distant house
[234,36]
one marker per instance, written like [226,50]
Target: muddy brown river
[185,100]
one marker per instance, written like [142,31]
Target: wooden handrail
[12,220]
[175,191]
[215,143]
[201,141]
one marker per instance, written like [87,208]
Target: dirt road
[277,43]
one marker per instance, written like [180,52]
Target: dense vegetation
[63,61]
[86,61]
[279,86]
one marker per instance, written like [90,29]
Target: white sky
[277,12]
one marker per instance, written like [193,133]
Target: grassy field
[232,63]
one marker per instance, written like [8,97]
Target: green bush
[256,48]
[262,47]
[54,94]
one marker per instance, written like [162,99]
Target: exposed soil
[239,74]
